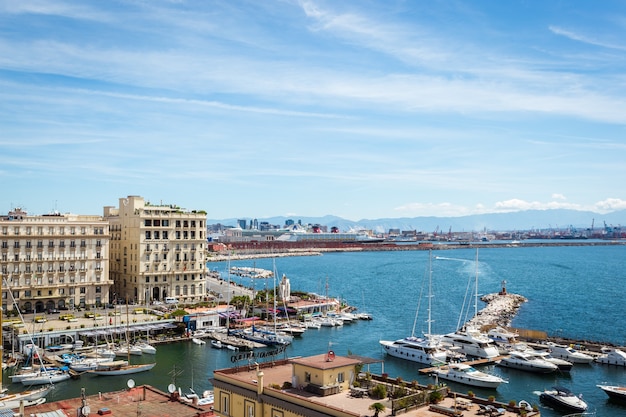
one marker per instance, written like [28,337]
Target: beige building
[53,261]
[309,386]
[157,251]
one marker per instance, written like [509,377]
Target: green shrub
[379,391]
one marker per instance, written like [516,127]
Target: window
[307,377]
[148,235]
[83,290]
[340,377]
[98,290]
[148,222]
[165,235]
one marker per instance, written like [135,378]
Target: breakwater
[271,250]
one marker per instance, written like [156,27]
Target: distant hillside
[520,220]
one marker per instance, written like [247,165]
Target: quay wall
[270,249]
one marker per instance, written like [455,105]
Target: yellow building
[157,251]
[54,261]
[312,386]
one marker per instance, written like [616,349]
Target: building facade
[53,261]
[157,251]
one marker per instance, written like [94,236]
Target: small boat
[121,368]
[231,347]
[207,398]
[560,397]
[198,341]
[527,362]
[612,356]
[217,344]
[146,348]
[468,375]
[569,354]
[87,364]
[128,350]
[614,392]
[28,398]
[47,377]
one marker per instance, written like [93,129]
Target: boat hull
[124,370]
[614,392]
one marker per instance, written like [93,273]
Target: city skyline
[312,108]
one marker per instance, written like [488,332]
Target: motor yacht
[420,350]
[562,398]
[612,356]
[527,362]
[468,375]
[569,354]
[472,342]
[614,392]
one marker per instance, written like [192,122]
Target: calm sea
[574,292]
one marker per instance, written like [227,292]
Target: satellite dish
[85,410]
[130,383]
[171,388]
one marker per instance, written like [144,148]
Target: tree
[377,408]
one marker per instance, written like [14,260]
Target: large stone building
[157,251]
[53,261]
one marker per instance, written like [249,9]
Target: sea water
[574,292]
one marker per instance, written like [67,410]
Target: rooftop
[145,400]
[281,371]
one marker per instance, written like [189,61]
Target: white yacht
[612,356]
[569,354]
[472,342]
[528,362]
[428,350]
[415,349]
[468,375]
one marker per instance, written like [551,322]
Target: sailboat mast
[430,288]
[476,287]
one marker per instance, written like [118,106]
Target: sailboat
[469,339]
[25,398]
[427,350]
[122,367]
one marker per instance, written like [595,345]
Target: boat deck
[471,363]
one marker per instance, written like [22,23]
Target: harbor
[360,279]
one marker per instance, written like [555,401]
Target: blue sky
[360,109]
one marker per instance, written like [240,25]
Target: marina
[362,278]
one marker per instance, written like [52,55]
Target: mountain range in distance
[556,219]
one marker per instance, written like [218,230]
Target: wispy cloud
[585,39]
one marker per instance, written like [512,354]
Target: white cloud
[557,196]
[610,204]
[584,39]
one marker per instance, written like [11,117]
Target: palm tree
[377,408]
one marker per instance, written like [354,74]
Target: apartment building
[53,261]
[157,251]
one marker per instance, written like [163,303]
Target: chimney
[259,379]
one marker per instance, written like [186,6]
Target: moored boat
[614,392]
[121,368]
[569,354]
[563,398]
[468,375]
[612,356]
[527,362]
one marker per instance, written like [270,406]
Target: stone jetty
[500,310]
